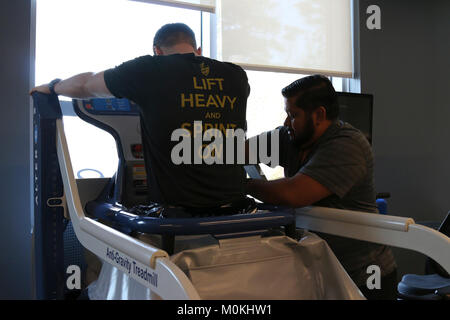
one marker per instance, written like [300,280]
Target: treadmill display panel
[110,107]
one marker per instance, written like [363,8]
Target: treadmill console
[110,107]
[120,117]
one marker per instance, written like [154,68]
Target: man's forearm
[81,86]
[267,191]
[74,87]
[297,191]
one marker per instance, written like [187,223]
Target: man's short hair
[312,92]
[174,33]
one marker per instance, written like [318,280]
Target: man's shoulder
[141,59]
[345,133]
[207,62]
[232,67]
[346,139]
[134,64]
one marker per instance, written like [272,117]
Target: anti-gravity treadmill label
[132,267]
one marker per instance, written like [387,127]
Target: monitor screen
[356,109]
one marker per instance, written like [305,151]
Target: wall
[406,66]
[15,78]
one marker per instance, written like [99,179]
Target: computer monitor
[356,109]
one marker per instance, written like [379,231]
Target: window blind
[297,36]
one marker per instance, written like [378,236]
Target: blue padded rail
[218,225]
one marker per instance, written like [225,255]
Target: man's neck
[180,48]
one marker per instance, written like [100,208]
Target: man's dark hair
[312,92]
[174,33]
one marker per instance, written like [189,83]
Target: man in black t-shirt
[186,101]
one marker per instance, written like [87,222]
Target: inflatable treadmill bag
[251,268]
[267,268]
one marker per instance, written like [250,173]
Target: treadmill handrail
[101,239]
[216,225]
[358,217]
[378,228]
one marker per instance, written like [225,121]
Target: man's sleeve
[128,79]
[338,165]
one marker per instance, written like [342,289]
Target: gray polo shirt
[342,161]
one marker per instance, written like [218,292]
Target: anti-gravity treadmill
[244,261]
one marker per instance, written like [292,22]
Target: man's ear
[157,51]
[321,114]
[198,51]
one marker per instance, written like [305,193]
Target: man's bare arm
[82,86]
[297,191]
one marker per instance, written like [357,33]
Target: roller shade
[203,5]
[298,36]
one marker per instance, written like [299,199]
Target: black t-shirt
[177,92]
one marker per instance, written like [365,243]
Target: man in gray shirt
[328,163]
